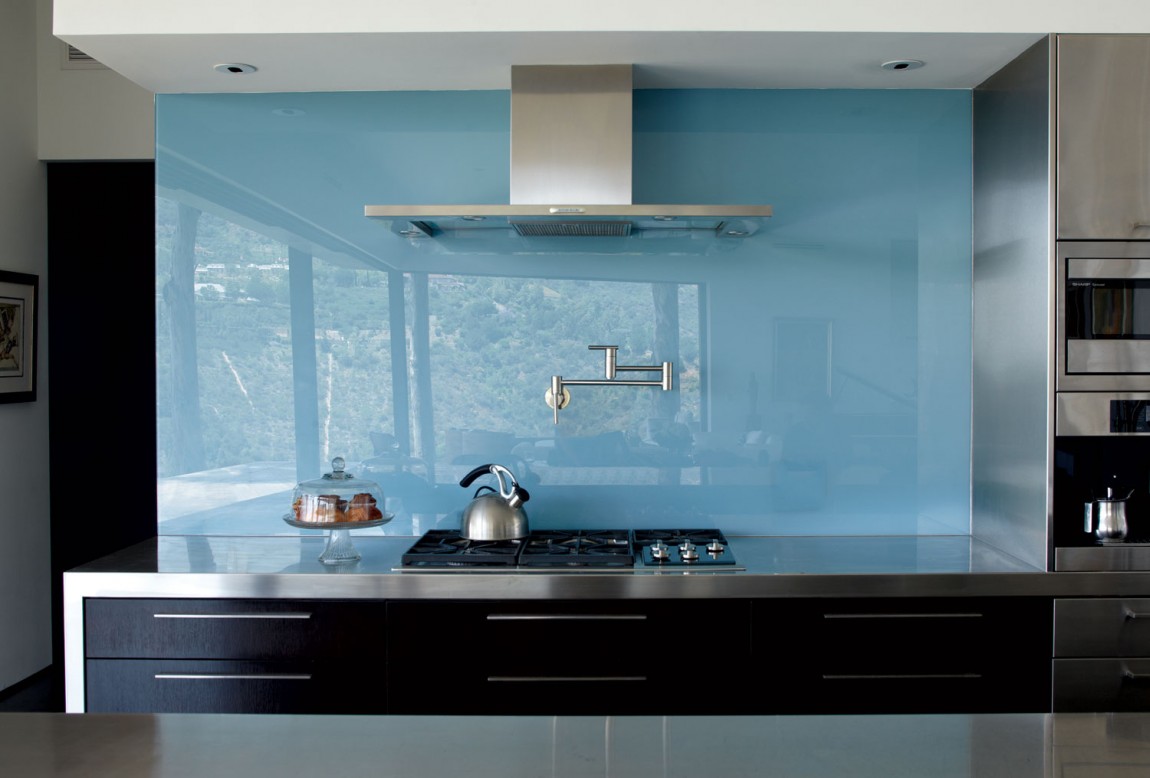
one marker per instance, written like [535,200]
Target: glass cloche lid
[337,497]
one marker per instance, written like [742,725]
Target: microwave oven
[1102,324]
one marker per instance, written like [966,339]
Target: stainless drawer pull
[902,615]
[1131,614]
[895,676]
[566,617]
[565,678]
[233,676]
[231,615]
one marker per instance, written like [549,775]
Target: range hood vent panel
[559,229]
[571,128]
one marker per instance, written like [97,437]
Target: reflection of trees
[187,451]
[351,351]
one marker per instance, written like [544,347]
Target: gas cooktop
[588,550]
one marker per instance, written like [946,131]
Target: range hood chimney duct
[571,168]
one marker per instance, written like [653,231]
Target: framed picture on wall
[18,294]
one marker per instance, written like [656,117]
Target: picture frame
[19,296]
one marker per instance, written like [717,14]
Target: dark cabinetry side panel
[101,369]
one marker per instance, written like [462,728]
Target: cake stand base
[339,550]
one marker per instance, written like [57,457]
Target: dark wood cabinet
[568,658]
[234,656]
[903,655]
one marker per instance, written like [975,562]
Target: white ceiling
[312,62]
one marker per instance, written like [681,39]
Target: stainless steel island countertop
[287,567]
[48,745]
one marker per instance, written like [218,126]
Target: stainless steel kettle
[1105,517]
[495,515]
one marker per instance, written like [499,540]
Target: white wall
[25,561]
[87,113]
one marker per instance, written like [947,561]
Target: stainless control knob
[687,552]
[659,550]
[716,546]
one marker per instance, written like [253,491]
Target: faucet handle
[610,359]
[557,396]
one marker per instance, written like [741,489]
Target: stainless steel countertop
[47,745]
[288,567]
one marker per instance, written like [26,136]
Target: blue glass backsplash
[821,366]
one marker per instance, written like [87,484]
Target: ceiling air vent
[75,59]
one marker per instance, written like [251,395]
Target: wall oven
[1101,475]
[1103,316]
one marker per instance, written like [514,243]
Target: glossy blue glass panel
[821,366]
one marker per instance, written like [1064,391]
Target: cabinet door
[567,658]
[905,655]
[1103,137]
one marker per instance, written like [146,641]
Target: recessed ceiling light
[235,67]
[903,64]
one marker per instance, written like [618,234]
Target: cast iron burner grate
[577,548]
[446,548]
[589,549]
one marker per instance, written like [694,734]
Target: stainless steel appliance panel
[1078,414]
[1103,147]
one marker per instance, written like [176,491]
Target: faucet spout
[558,395]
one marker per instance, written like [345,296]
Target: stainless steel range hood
[571,170]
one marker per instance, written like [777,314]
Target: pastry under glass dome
[339,502]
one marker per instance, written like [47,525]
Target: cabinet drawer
[181,686]
[233,629]
[1099,685]
[1101,628]
[567,658]
[905,655]
[601,637]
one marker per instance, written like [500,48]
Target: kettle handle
[470,477]
[515,493]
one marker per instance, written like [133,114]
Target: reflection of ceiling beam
[186,181]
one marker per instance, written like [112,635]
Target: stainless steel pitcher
[1106,516]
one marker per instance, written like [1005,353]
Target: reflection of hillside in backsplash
[821,366]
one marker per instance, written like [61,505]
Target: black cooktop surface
[603,548]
